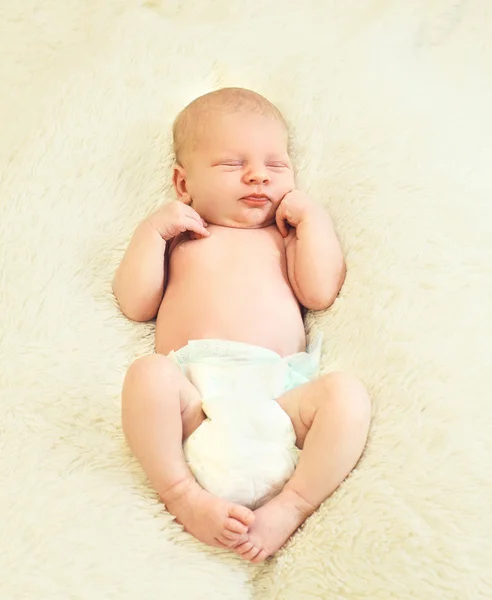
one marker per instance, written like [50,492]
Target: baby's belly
[229,318]
[244,298]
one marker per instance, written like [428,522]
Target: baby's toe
[229,535]
[243,547]
[260,557]
[252,553]
[234,526]
[231,539]
[229,542]
[241,514]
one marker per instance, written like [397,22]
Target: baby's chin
[240,222]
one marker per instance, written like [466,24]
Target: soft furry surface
[389,104]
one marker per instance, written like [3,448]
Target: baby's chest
[224,256]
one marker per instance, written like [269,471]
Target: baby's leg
[160,408]
[331,419]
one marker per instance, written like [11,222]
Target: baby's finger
[197,236]
[279,218]
[193,225]
[191,212]
[199,221]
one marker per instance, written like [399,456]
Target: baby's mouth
[256,199]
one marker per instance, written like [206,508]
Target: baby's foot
[274,523]
[211,520]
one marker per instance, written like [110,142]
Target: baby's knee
[146,372]
[350,393]
[144,366]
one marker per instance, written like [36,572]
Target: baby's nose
[258,175]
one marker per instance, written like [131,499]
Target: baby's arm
[140,278]
[315,262]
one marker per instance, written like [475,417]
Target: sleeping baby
[230,420]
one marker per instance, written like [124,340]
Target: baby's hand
[176,217]
[294,208]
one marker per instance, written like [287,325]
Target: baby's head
[231,144]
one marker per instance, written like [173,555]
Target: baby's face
[240,155]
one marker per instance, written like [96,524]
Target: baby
[235,258]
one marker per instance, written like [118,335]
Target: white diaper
[245,450]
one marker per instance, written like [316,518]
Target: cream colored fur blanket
[390,109]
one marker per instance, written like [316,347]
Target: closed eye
[239,163]
[231,163]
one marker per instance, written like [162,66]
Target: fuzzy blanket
[389,108]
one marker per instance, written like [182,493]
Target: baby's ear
[179,182]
